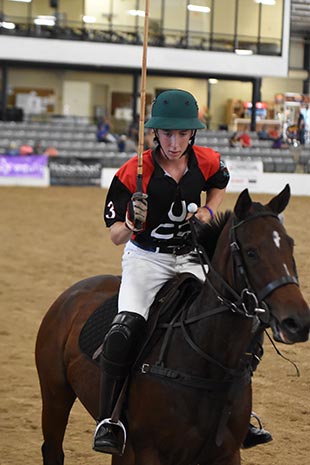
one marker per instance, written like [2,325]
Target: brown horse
[189,396]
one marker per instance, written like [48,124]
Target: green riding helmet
[174,109]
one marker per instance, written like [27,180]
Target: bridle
[239,265]
[248,302]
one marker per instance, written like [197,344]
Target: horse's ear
[279,203]
[243,204]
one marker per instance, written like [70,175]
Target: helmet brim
[162,122]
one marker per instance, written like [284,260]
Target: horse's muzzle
[290,330]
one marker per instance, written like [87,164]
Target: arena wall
[264,183]
[41,172]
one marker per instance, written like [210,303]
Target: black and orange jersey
[167,199]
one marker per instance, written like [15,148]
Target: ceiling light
[213,81]
[243,51]
[45,21]
[136,13]
[89,19]
[198,8]
[266,2]
[22,1]
[7,25]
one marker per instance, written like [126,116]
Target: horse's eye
[251,254]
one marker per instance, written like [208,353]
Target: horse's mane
[209,233]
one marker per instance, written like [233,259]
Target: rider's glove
[136,212]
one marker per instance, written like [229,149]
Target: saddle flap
[174,293]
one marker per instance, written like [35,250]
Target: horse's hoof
[256,436]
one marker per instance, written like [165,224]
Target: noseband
[238,260]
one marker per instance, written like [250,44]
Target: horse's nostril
[291,325]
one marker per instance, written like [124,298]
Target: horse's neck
[225,336]
[222,259]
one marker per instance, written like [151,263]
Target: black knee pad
[123,341]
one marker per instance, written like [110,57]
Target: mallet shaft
[142,98]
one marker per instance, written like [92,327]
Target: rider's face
[174,142]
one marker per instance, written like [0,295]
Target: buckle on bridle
[250,304]
[145,368]
[234,246]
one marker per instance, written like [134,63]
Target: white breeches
[145,272]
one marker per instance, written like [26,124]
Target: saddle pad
[97,325]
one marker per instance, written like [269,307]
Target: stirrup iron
[121,431]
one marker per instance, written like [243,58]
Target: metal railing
[133,35]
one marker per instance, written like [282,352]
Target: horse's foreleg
[128,458]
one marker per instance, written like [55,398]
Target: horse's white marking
[276,238]
[286,269]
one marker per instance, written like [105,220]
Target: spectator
[12,149]
[234,140]
[51,151]
[121,143]
[279,143]
[301,128]
[104,131]
[263,134]
[241,140]
[25,150]
[274,133]
[245,139]
[37,148]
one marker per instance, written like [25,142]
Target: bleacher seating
[75,137]
[69,138]
[304,159]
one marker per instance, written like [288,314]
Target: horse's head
[265,258]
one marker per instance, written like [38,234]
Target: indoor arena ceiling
[300,17]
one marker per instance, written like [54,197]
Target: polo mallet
[139,193]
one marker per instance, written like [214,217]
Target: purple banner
[30,166]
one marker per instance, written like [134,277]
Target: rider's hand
[136,212]
[202,214]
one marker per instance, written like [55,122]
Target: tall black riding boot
[121,346]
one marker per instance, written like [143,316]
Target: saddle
[178,291]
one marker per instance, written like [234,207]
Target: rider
[154,226]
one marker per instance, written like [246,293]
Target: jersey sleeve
[123,185]
[116,202]
[220,179]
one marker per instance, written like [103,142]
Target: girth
[195,382]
